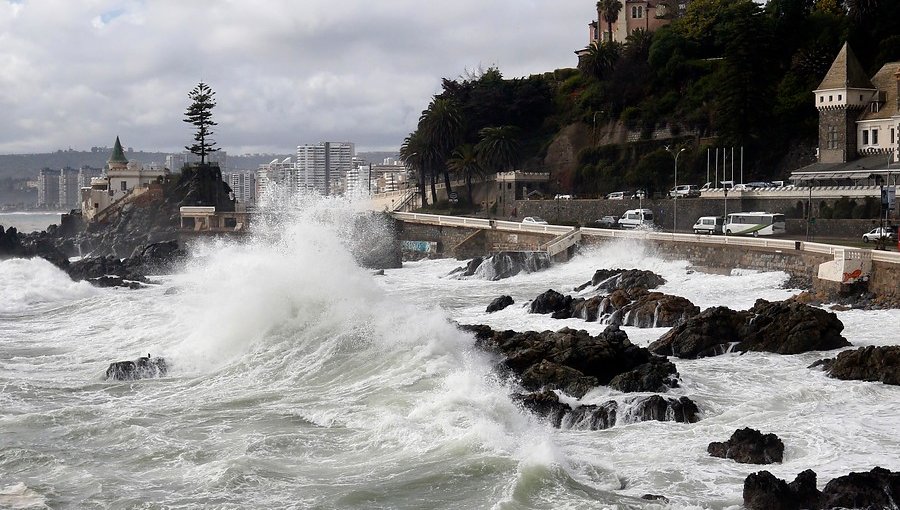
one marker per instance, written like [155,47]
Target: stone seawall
[468,242]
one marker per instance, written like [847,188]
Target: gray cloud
[285,72]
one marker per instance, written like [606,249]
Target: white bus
[754,223]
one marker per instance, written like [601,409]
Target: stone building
[858,115]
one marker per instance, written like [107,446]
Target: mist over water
[299,380]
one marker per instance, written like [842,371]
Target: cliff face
[562,154]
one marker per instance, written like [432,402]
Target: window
[124,186]
[830,99]
[860,97]
[840,97]
[832,142]
[865,137]
[637,11]
[821,99]
[874,137]
[892,136]
[508,185]
[875,106]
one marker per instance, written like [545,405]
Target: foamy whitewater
[299,380]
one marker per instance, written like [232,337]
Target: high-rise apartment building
[243,185]
[324,166]
[278,174]
[69,190]
[48,188]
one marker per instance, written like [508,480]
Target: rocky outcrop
[145,367]
[632,307]
[574,361]
[502,265]
[614,279]
[749,446]
[499,304]
[874,364]
[782,327]
[876,489]
[610,413]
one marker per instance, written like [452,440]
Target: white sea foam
[298,379]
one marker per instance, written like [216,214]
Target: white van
[616,195]
[709,225]
[634,218]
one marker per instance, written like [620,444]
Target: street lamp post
[675,203]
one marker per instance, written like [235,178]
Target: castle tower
[843,94]
[117,160]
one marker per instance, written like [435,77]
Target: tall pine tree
[199,113]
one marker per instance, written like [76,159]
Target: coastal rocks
[876,489]
[749,446]
[574,361]
[551,302]
[875,364]
[783,327]
[504,265]
[610,413]
[628,307]
[499,304]
[145,367]
[612,279]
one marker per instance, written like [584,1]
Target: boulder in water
[624,279]
[145,367]
[550,302]
[783,327]
[505,265]
[870,363]
[749,446]
[657,310]
[876,489]
[609,413]
[499,304]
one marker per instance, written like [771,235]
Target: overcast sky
[76,73]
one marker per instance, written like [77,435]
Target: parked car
[608,222]
[709,225]
[889,233]
[634,218]
[684,191]
[564,197]
[616,195]
[639,194]
[534,220]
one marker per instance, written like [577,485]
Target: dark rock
[547,374]
[145,367]
[655,497]
[505,265]
[706,334]
[592,417]
[659,408]
[613,279]
[602,357]
[784,327]
[763,491]
[875,364]
[499,304]
[550,302]
[657,310]
[658,374]
[545,404]
[877,489]
[749,446]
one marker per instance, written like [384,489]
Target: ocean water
[299,380]
[29,221]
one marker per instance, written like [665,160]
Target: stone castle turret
[843,94]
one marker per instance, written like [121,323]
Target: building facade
[858,115]
[48,188]
[243,185]
[69,190]
[324,167]
[120,179]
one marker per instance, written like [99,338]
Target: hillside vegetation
[729,73]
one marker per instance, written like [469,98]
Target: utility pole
[675,203]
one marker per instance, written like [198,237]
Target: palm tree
[599,59]
[611,10]
[465,163]
[637,44]
[412,153]
[498,148]
[442,126]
